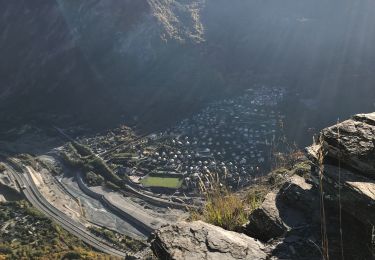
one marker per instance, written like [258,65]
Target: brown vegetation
[230,210]
[27,234]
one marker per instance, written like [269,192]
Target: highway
[33,195]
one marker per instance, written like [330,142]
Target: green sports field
[162,182]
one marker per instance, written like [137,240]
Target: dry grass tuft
[229,210]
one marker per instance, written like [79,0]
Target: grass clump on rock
[225,210]
[228,209]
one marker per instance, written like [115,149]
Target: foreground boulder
[199,240]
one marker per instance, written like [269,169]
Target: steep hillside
[131,58]
[42,68]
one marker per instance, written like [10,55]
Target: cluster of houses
[231,138]
[102,143]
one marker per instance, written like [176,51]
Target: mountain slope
[147,58]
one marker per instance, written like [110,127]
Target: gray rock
[199,240]
[353,142]
[297,193]
[357,193]
[265,222]
[279,212]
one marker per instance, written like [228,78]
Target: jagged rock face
[181,20]
[353,142]
[350,165]
[348,179]
[290,219]
[199,240]
[132,29]
[357,192]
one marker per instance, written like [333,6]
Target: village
[229,141]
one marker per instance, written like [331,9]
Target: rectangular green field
[162,182]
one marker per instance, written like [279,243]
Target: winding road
[33,195]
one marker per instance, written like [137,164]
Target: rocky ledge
[199,240]
[288,223]
[349,165]
[353,142]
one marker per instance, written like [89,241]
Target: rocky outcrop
[349,165]
[357,192]
[353,142]
[344,161]
[199,240]
[293,212]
